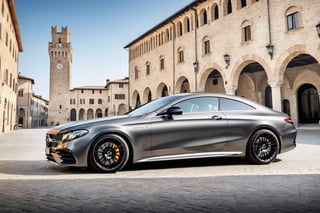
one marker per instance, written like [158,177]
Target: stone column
[231,90]
[276,94]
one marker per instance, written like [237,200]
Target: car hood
[97,121]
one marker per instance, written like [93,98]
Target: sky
[99,31]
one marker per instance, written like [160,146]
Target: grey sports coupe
[182,126]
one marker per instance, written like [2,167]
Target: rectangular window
[247,33]
[91,101]
[293,21]
[72,101]
[243,3]
[99,101]
[10,82]
[215,81]
[181,56]
[7,38]
[20,93]
[119,96]
[161,63]
[148,69]
[121,85]
[136,73]
[206,47]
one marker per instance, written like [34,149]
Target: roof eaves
[170,18]
[14,17]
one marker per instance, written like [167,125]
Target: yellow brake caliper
[117,153]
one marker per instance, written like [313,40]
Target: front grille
[51,144]
[51,140]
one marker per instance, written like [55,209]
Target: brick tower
[60,53]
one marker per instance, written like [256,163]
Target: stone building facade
[81,103]
[32,110]
[264,50]
[39,111]
[10,46]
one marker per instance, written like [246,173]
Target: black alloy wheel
[263,147]
[109,153]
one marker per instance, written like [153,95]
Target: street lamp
[318,29]
[270,49]
[226,58]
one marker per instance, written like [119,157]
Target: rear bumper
[289,141]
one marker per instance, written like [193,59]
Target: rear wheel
[263,147]
[109,153]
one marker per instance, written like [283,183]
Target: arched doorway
[138,101]
[253,83]
[215,82]
[147,96]
[21,122]
[185,87]
[81,114]
[98,113]
[268,97]
[164,91]
[90,114]
[308,104]
[122,109]
[286,107]
[73,115]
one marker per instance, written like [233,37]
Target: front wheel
[263,147]
[109,153]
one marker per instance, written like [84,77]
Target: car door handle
[216,117]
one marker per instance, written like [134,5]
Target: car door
[200,128]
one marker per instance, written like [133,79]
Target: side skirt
[191,156]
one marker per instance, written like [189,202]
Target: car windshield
[152,106]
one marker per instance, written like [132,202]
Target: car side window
[197,105]
[232,105]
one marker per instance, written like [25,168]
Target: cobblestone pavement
[30,184]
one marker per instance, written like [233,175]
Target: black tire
[109,153]
[263,147]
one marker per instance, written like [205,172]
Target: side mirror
[172,111]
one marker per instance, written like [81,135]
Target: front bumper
[71,153]
[60,156]
[58,152]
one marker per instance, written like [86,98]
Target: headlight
[73,135]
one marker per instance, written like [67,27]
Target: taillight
[288,120]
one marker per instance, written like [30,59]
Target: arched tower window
[215,12]
[179,28]
[136,73]
[204,17]
[227,7]
[187,25]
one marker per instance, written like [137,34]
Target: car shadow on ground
[45,168]
[203,162]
